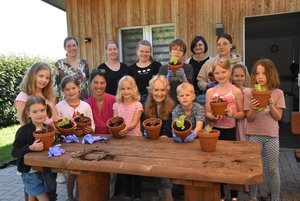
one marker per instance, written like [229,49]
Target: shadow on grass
[5,153]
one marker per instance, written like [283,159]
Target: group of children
[242,117]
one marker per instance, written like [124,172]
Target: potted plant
[46,135]
[115,125]
[218,106]
[65,126]
[152,126]
[81,123]
[262,95]
[174,64]
[208,138]
[182,127]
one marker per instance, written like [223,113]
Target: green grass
[7,137]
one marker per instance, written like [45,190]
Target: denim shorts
[37,183]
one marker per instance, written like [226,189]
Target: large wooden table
[201,173]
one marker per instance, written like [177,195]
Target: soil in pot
[47,137]
[82,122]
[115,125]
[182,134]
[65,130]
[152,126]
[208,141]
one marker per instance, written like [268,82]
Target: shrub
[12,70]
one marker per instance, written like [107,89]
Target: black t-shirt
[113,77]
[142,76]
[196,67]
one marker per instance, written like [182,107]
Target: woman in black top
[144,69]
[112,68]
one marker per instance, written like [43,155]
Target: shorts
[37,183]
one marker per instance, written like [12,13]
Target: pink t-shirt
[127,112]
[264,123]
[101,117]
[226,122]
[22,97]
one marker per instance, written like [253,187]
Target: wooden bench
[295,128]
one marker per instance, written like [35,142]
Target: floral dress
[82,73]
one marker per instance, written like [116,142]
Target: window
[160,36]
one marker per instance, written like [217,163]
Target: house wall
[101,19]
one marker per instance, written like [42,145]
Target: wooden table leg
[202,193]
[93,186]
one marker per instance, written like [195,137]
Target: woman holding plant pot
[159,104]
[100,102]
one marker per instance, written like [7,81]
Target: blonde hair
[185,86]
[223,63]
[271,72]
[31,101]
[244,68]
[135,92]
[167,104]
[28,84]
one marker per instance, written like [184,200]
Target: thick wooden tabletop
[234,162]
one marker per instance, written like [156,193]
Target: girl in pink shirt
[128,106]
[262,126]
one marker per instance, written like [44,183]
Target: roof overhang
[60,4]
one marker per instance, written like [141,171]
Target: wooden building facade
[101,20]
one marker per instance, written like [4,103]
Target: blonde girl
[127,105]
[262,126]
[240,79]
[38,82]
[69,108]
[235,109]
[37,184]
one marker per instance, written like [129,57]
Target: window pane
[161,38]
[130,37]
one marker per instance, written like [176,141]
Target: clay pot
[218,108]
[208,141]
[65,130]
[81,125]
[174,68]
[182,134]
[47,138]
[152,126]
[262,97]
[115,125]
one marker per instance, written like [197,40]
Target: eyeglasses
[177,50]
[219,45]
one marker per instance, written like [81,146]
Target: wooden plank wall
[100,20]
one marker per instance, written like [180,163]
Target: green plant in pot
[208,138]
[262,95]
[174,64]
[65,126]
[182,127]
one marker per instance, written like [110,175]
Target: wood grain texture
[233,162]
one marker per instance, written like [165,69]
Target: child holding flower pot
[37,184]
[235,109]
[192,110]
[262,126]
[69,107]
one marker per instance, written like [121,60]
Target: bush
[12,70]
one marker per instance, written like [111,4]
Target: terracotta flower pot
[47,138]
[81,123]
[182,134]
[66,130]
[115,125]
[208,141]
[174,68]
[218,108]
[152,126]
[262,97]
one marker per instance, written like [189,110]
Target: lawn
[7,136]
